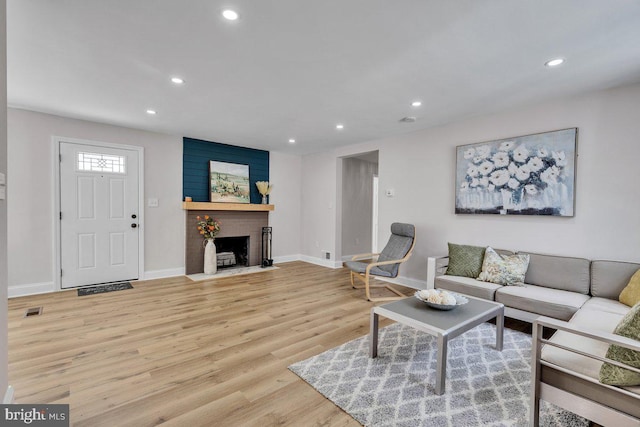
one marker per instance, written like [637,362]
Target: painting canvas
[526,175]
[228,182]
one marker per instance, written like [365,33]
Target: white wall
[3,203]
[30,214]
[420,168]
[318,226]
[357,203]
[285,172]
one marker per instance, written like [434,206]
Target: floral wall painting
[526,175]
[228,182]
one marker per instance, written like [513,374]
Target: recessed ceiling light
[152,112]
[339,126]
[177,80]
[554,62]
[416,103]
[229,14]
[292,141]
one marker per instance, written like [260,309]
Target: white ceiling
[295,68]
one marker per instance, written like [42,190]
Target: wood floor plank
[177,352]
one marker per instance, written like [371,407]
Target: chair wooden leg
[399,294]
[367,285]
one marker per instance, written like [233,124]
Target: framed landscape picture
[525,175]
[228,182]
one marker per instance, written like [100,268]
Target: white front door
[99,233]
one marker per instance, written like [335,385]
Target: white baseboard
[30,289]
[322,262]
[286,258]
[161,274]
[406,281]
[8,396]
[46,287]
[311,260]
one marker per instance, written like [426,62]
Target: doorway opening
[359,231]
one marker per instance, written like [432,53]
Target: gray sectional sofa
[555,286]
[579,298]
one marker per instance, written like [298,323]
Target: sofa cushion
[557,272]
[599,305]
[554,303]
[610,374]
[630,295]
[609,278]
[584,319]
[503,270]
[465,260]
[467,286]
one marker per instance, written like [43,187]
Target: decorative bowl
[460,300]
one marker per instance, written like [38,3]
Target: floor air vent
[33,311]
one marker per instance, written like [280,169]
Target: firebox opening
[232,252]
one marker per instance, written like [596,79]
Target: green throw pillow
[504,270]
[610,374]
[465,260]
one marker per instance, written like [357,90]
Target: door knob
[134,225]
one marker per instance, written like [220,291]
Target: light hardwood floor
[183,353]
[186,353]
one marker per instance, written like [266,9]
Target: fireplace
[245,225]
[232,251]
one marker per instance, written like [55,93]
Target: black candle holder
[267,261]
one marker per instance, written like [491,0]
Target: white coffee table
[444,325]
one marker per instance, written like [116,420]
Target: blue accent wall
[196,155]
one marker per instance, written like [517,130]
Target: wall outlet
[327,255]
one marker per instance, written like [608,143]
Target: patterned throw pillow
[610,374]
[630,295]
[504,270]
[465,260]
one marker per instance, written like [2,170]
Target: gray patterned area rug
[484,387]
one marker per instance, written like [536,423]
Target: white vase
[210,261]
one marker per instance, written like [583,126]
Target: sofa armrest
[596,335]
[436,266]
[563,397]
